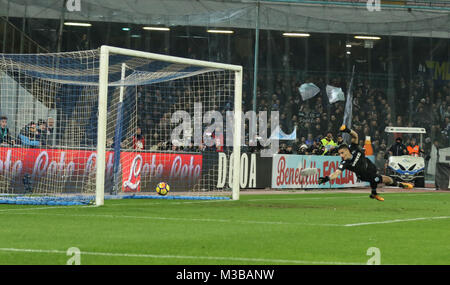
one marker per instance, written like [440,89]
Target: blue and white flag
[348,112]
[278,134]
[308,90]
[335,94]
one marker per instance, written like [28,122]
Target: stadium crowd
[31,135]
[317,121]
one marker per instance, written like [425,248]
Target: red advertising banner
[286,172]
[171,166]
[15,162]
[77,165]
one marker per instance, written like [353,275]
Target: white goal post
[105,52]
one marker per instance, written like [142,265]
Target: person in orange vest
[413,148]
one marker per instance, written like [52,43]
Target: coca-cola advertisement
[174,168]
[73,170]
[286,172]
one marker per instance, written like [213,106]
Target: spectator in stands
[173,147]
[445,137]
[304,128]
[398,148]
[84,43]
[310,140]
[317,133]
[303,150]
[42,132]
[376,145]
[28,135]
[340,139]
[255,145]
[50,129]
[138,140]
[289,149]
[201,148]
[300,141]
[218,140]
[328,144]
[5,136]
[189,147]
[334,122]
[109,143]
[282,149]
[323,121]
[317,148]
[380,162]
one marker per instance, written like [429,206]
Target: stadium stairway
[14,40]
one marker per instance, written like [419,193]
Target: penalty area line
[396,221]
[178,219]
[168,256]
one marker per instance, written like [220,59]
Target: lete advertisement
[174,168]
[286,172]
[73,170]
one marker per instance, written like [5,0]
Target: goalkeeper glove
[344,129]
[323,180]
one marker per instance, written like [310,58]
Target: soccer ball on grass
[162,188]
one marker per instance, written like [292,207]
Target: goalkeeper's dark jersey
[359,163]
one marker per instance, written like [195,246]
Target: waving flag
[348,109]
[278,134]
[335,94]
[308,90]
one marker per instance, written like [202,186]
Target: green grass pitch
[312,228]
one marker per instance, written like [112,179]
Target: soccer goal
[81,127]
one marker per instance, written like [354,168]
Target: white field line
[230,201]
[109,204]
[396,221]
[159,203]
[178,219]
[235,221]
[164,256]
[43,208]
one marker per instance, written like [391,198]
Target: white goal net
[79,127]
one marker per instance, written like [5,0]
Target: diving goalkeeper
[353,159]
